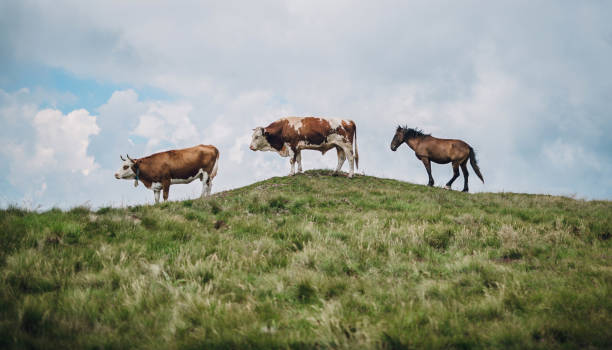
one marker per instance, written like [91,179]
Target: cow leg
[156,187]
[351,158]
[455,175]
[209,188]
[292,162]
[427,164]
[205,185]
[341,159]
[292,157]
[166,188]
[465,176]
[298,158]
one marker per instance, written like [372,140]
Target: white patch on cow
[205,185]
[156,187]
[188,180]
[306,145]
[334,123]
[295,123]
[286,151]
[259,141]
[336,139]
[125,171]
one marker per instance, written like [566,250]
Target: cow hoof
[335,173]
[447,187]
[350,176]
[465,190]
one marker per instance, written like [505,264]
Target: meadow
[311,261]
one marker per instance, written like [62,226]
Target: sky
[527,83]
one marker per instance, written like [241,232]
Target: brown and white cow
[160,170]
[289,136]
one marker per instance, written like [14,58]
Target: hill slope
[312,261]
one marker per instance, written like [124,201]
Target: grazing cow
[289,136]
[160,170]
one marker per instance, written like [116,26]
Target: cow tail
[475,164]
[216,166]
[356,149]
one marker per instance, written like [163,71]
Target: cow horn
[131,160]
[123,159]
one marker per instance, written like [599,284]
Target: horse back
[444,151]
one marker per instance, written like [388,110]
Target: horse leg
[427,164]
[455,175]
[465,176]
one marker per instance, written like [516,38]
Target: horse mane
[410,133]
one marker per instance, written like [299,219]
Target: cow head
[259,142]
[128,170]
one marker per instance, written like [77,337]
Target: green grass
[312,261]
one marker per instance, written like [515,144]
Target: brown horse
[442,151]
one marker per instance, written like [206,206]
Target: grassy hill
[312,261]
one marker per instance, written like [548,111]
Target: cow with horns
[289,136]
[160,170]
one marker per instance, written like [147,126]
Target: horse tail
[474,164]
[356,149]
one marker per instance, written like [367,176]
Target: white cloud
[42,146]
[62,140]
[564,154]
[167,122]
[237,151]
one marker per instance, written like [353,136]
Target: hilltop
[312,261]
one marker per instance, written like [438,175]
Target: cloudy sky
[527,83]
